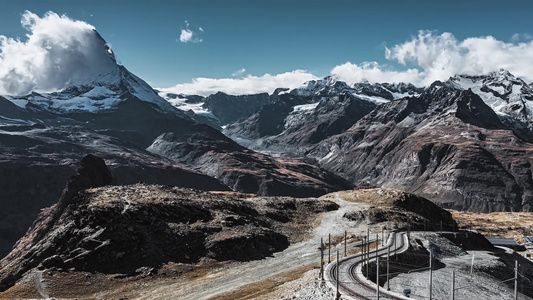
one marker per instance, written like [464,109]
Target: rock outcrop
[123,229]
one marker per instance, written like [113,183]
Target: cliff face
[289,131]
[446,145]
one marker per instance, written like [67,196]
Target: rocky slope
[301,117]
[243,170]
[446,145]
[119,229]
[288,131]
[402,210]
[506,94]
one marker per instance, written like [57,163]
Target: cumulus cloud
[187,35]
[442,56]
[373,72]
[58,52]
[430,56]
[247,85]
[427,57]
[521,37]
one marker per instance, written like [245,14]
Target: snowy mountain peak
[95,82]
[509,96]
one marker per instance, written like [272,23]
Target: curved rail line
[356,287]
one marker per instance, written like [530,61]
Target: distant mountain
[447,145]
[510,97]
[306,115]
[288,131]
[464,143]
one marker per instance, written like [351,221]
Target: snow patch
[374,99]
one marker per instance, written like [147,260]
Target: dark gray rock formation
[446,145]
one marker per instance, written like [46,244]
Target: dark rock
[136,229]
[228,108]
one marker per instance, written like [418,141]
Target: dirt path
[295,256]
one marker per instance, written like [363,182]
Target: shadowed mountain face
[243,170]
[288,131]
[446,145]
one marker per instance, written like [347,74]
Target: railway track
[351,282]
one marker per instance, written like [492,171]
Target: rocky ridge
[119,229]
[446,145]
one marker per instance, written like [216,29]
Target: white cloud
[430,56]
[58,52]
[521,37]
[427,57]
[246,85]
[373,72]
[442,56]
[187,35]
[238,73]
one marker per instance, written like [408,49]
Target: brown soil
[258,290]
[515,225]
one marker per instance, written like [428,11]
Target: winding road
[352,283]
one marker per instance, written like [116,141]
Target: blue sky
[272,36]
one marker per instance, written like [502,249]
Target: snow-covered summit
[101,87]
[502,91]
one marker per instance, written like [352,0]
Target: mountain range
[464,143]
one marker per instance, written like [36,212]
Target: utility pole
[329,248]
[321,259]
[516,280]
[345,236]
[395,252]
[382,237]
[367,249]
[363,248]
[388,259]
[453,285]
[472,265]
[338,267]
[430,272]
[377,275]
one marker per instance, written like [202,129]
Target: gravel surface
[475,285]
[295,256]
